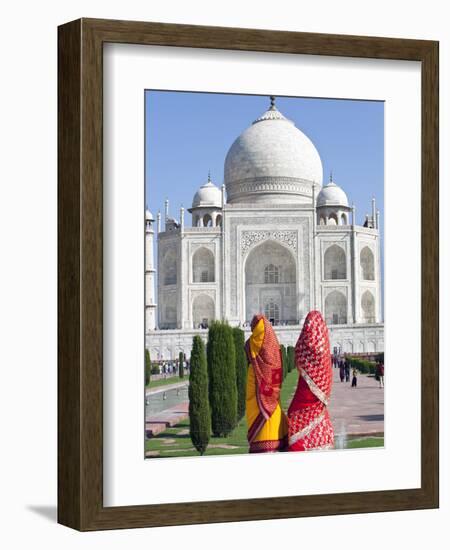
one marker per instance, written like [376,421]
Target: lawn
[166,381]
[365,442]
[177,442]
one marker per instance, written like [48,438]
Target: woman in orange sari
[267,424]
[310,426]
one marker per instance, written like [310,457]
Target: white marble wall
[294,236]
[166,344]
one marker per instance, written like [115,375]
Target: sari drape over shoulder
[309,420]
[267,424]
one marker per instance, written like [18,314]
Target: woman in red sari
[267,424]
[309,421]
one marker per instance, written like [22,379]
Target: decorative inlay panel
[251,238]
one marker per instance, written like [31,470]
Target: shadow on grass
[173,433]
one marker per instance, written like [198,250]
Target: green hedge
[364,366]
[180,364]
[222,388]
[241,370]
[155,369]
[199,418]
[284,360]
[148,367]
[290,358]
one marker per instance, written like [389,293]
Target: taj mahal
[273,239]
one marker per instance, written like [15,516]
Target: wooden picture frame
[80,273]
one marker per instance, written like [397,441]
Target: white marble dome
[207,196]
[332,195]
[149,216]
[272,160]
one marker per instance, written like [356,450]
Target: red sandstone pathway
[357,410]
[354,411]
[167,418]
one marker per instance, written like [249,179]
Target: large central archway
[271,283]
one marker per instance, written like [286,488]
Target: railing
[216,229]
[333,227]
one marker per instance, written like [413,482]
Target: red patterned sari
[309,421]
[267,424]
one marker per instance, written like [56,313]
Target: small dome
[149,216]
[272,160]
[208,195]
[332,195]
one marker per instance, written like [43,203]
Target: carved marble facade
[273,240]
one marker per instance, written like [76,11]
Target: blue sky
[188,134]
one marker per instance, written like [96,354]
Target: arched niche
[348,346]
[203,266]
[169,268]
[368,307]
[371,348]
[336,308]
[203,311]
[367,263]
[335,263]
[169,310]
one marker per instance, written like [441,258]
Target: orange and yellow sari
[267,424]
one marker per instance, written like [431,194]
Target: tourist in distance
[347,369]
[380,374]
[355,378]
[341,369]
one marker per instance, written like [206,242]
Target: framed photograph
[248,239]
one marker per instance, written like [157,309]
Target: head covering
[263,353]
[309,422]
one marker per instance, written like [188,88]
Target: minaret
[182,219]
[374,215]
[158,222]
[166,213]
[150,271]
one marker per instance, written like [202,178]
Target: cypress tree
[241,370]
[221,379]
[180,364]
[291,358]
[199,419]
[284,360]
[148,367]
